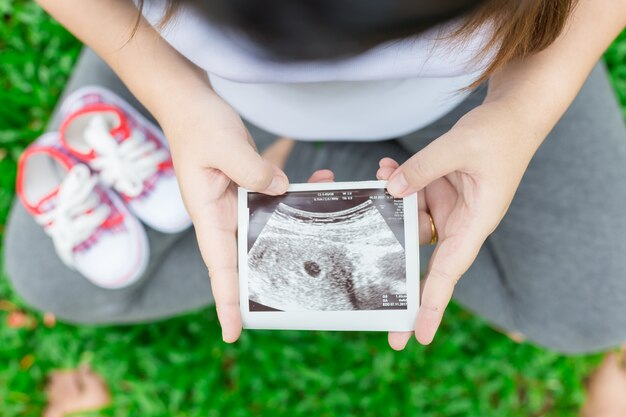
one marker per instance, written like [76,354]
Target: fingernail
[397,184]
[278,186]
[229,335]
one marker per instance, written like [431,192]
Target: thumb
[242,163]
[439,158]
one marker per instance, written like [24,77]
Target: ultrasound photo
[333,250]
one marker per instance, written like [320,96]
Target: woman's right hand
[213,152]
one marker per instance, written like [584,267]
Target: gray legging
[554,269]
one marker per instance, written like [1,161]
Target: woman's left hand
[466,180]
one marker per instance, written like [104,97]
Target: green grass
[180,368]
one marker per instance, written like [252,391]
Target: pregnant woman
[495,112]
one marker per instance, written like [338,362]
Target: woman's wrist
[534,119]
[183,96]
[180,100]
[501,124]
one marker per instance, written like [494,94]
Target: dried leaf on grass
[20,320]
[606,389]
[49,320]
[75,391]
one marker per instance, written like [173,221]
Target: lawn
[181,368]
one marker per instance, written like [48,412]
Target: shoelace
[77,214]
[127,165]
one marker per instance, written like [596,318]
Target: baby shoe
[92,230]
[128,152]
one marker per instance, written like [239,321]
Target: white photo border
[364,320]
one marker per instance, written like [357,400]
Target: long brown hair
[521,28]
[302,29]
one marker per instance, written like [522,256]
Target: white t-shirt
[390,90]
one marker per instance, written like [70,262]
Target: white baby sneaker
[92,230]
[128,152]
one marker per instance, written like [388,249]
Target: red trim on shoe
[55,154]
[127,122]
[166,165]
[115,218]
[122,129]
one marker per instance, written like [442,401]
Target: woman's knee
[47,293]
[78,306]
[38,276]
[578,325]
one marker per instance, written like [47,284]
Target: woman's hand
[213,152]
[466,180]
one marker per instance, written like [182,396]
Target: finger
[322,175]
[215,224]
[398,340]
[421,200]
[384,173]
[425,227]
[423,217]
[437,159]
[451,258]
[219,251]
[241,163]
[387,166]
[388,162]
[209,197]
